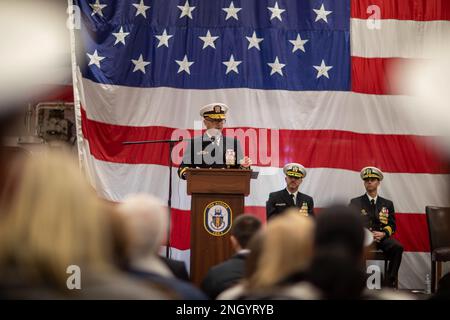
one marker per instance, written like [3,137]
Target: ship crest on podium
[217,218]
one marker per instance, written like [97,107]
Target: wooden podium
[217,199]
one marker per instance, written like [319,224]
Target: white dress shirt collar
[370,198]
[217,141]
[294,193]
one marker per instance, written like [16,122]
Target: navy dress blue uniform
[205,152]
[212,149]
[281,200]
[379,215]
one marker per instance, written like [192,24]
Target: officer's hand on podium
[246,162]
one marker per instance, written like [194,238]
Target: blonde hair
[54,220]
[287,247]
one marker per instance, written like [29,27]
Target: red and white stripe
[334,134]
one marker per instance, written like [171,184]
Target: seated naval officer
[379,216]
[290,196]
[213,149]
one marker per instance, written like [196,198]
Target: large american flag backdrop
[315,70]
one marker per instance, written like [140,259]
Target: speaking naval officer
[213,149]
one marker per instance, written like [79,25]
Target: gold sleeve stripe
[182,171]
[388,229]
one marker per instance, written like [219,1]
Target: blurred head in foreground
[242,231]
[145,220]
[53,221]
[286,247]
[338,267]
[35,51]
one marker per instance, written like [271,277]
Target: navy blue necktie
[373,206]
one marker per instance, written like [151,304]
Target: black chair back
[438,219]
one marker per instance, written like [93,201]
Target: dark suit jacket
[371,218]
[281,200]
[202,153]
[184,290]
[177,267]
[224,275]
